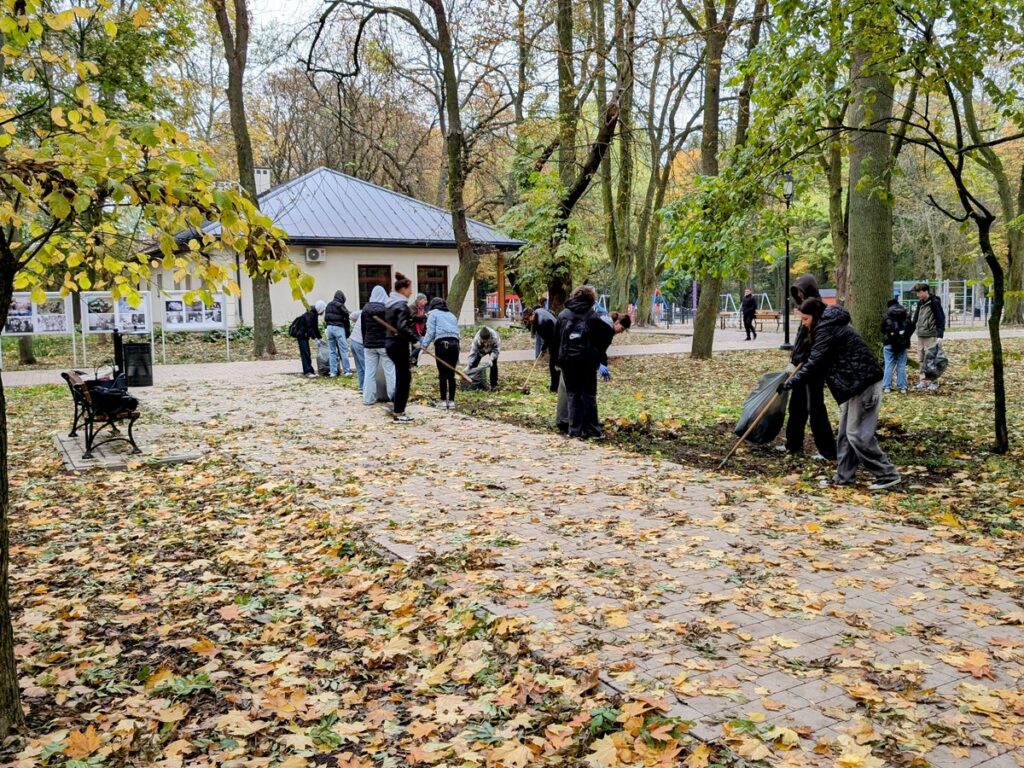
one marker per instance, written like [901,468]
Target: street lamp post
[787,193]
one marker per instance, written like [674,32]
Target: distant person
[398,315]
[486,342]
[808,402]
[930,323]
[374,336]
[840,357]
[339,328]
[541,325]
[305,327]
[748,308]
[356,343]
[897,328]
[443,331]
[418,309]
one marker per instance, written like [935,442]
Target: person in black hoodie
[577,358]
[541,325]
[398,341]
[336,316]
[808,402]
[374,355]
[307,326]
[897,328]
[840,357]
[748,308]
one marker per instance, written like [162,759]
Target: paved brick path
[725,598]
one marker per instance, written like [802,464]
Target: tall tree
[235,34]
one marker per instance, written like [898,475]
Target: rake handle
[449,366]
[757,421]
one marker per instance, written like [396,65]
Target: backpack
[898,334]
[297,330]
[574,341]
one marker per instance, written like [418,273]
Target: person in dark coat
[309,328]
[374,354]
[339,328]
[541,324]
[897,328]
[930,324]
[807,403]
[398,342]
[841,358]
[577,359]
[748,308]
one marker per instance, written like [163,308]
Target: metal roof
[326,207]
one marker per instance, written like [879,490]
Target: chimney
[262,180]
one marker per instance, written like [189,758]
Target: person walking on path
[930,323]
[486,342]
[305,327]
[374,337]
[398,342]
[842,359]
[807,402]
[355,341]
[541,324]
[443,331]
[336,316]
[748,308]
[897,328]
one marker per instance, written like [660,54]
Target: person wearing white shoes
[930,323]
[443,331]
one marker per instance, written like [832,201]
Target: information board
[27,318]
[101,313]
[180,315]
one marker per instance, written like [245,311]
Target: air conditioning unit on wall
[316,255]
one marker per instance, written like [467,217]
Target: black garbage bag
[935,363]
[479,378]
[323,358]
[771,423]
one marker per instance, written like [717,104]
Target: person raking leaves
[841,358]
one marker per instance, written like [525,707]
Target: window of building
[372,275]
[432,281]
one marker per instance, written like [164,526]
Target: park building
[351,235]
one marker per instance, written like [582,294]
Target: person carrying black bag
[807,401]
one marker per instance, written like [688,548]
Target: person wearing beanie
[808,403]
[897,328]
[841,358]
[397,342]
[305,327]
[486,342]
[443,331]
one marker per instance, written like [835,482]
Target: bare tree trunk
[871,268]
[607,190]
[1002,434]
[567,114]
[936,247]
[26,352]
[624,49]
[236,53]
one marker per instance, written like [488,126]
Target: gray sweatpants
[562,406]
[857,443]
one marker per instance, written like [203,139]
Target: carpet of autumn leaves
[205,615]
[685,410]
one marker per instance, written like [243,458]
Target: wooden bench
[724,317]
[764,315]
[95,419]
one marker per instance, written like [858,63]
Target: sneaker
[903,391]
[401,417]
[886,391]
[310,375]
[921,386]
[780,448]
[333,375]
[348,373]
[818,457]
[442,405]
[451,405]
[933,386]
[881,485]
[833,483]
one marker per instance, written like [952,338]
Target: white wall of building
[338,271]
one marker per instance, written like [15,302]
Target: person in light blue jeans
[355,341]
[374,353]
[897,328]
[338,329]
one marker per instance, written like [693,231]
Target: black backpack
[574,341]
[297,330]
[899,333]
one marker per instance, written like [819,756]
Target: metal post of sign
[163,341]
[85,347]
[227,339]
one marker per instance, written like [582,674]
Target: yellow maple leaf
[855,755]
[82,743]
[699,757]
[603,754]
[617,619]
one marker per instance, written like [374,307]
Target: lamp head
[787,185]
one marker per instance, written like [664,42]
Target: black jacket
[808,286]
[840,356]
[337,313]
[374,333]
[601,336]
[310,324]
[938,312]
[399,316]
[895,316]
[748,306]
[544,326]
[578,308]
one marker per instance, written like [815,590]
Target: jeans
[307,359]
[357,355]
[446,351]
[897,360]
[398,350]
[337,346]
[808,402]
[374,357]
[857,443]
[923,345]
